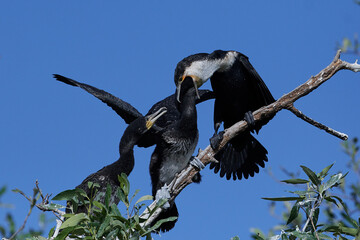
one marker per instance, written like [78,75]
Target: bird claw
[249,118]
[216,139]
[163,193]
[195,162]
[213,160]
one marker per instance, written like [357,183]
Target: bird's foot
[195,162]
[163,193]
[249,118]
[216,139]
[196,178]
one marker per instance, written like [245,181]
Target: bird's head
[200,67]
[151,118]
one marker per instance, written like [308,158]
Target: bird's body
[175,134]
[108,175]
[238,90]
[177,143]
[174,150]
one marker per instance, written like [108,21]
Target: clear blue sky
[59,134]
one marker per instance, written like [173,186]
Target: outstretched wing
[122,108]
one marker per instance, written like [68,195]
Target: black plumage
[175,134]
[175,148]
[238,90]
[108,175]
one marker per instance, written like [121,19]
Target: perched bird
[239,90]
[175,134]
[174,150]
[125,164]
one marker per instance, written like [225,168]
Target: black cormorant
[174,150]
[175,134]
[239,90]
[125,163]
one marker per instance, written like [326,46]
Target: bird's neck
[125,163]
[187,109]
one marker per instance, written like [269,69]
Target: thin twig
[307,119]
[33,203]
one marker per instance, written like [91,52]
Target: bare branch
[32,204]
[285,102]
[299,114]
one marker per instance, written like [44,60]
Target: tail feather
[241,157]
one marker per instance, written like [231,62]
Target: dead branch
[285,102]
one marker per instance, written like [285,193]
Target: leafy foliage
[319,195]
[102,220]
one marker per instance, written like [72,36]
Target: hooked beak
[155,116]
[197,83]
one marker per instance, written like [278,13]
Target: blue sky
[59,134]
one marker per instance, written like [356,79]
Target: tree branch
[285,102]
[299,114]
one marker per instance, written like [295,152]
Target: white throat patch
[204,69]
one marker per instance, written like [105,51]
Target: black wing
[122,108]
[259,87]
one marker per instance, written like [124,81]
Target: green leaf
[51,232]
[103,226]
[293,213]
[282,199]
[342,203]
[69,194]
[235,238]
[74,220]
[257,234]
[2,190]
[302,193]
[324,172]
[99,205]
[114,210]
[158,224]
[335,179]
[90,184]
[135,193]
[295,181]
[144,198]
[120,218]
[330,199]
[124,184]
[121,195]
[64,233]
[312,176]
[112,235]
[301,235]
[107,195]
[53,206]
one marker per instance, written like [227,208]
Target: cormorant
[174,150]
[239,90]
[175,137]
[125,164]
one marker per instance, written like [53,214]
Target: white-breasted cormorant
[175,134]
[125,163]
[239,90]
